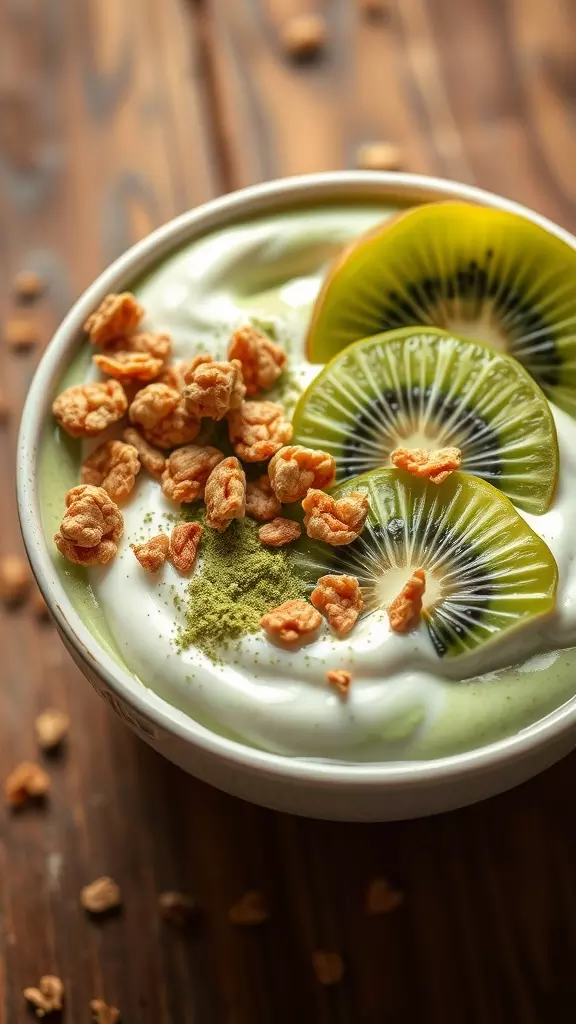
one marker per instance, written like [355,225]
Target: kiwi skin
[532,489]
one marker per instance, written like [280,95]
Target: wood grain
[113,117]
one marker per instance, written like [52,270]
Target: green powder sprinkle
[238,581]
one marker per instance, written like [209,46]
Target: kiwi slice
[487,572]
[426,389]
[482,274]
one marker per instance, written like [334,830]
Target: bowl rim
[242,204]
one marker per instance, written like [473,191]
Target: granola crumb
[261,359]
[85,410]
[116,315]
[26,783]
[153,553]
[153,460]
[382,898]
[258,430]
[91,527]
[225,494]
[436,464]
[279,532]
[304,36]
[213,388]
[340,679]
[177,907]
[404,612]
[48,997]
[15,580]
[261,502]
[335,522]
[340,599]
[291,621]
[52,728]
[21,333]
[101,895]
[328,967]
[187,472]
[28,286]
[184,544]
[113,466]
[103,1013]
[250,911]
[379,156]
[294,470]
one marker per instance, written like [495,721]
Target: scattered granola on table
[340,679]
[116,315]
[48,997]
[177,907]
[382,898]
[338,598]
[258,430]
[279,532]
[101,895]
[86,410]
[187,470]
[328,967]
[52,728]
[26,783]
[404,612]
[304,36]
[28,285]
[261,359]
[435,464]
[379,156]
[15,580]
[103,1013]
[213,388]
[250,911]
[334,521]
[261,502]
[225,494]
[294,470]
[113,466]
[21,333]
[153,553]
[184,543]
[91,527]
[291,621]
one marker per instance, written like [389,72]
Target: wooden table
[114,116]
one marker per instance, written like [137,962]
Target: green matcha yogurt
[405,703]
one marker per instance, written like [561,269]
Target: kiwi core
[483,325]
[393,579]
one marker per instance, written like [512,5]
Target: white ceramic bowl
[363,792]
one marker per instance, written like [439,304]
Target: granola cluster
[294,470]
[113,466]
[187,470]
[213,388]
[91,527]
[335,521]
[436,464]
[404,612]
[261,360]
[161,413]
[86,410]
[339,598]
[261,502]
[225,494]
[291,621]
[258,430]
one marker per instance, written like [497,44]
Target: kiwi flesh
[487,572]
[483,274]
[423,388]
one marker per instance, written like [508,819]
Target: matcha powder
[237,582]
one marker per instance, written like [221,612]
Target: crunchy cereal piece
[187,470]
[101,895]
[279,532]
[48,997]
[436,464]
[21,333]
[139,357]
[341,679]
[91,527]
[87,409]
[153,553]
[51,728]
[103,1013]
[213,388]
[261,502]
[304,36]
[28,286]
[328,967]
[250,911]
[404,612]
[153,460]
[184,543]
[27,782]
[15,580]
[339,598]
[294,470]
[379,156]
[113,466]
[261,359]
[258,430]
[161,412]
[336,522]
[175,374]
[225,494]
[291,621]
[116,315]
[177,907]
[381,898]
